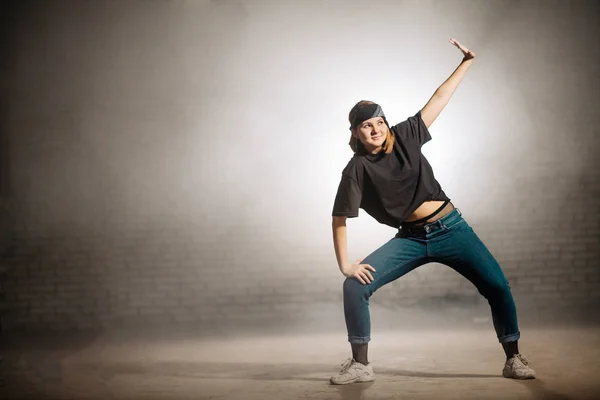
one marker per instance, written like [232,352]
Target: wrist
[344,269]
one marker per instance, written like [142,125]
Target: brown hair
[355,143]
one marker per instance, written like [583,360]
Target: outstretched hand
[468,54]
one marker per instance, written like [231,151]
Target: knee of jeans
[352,287]
[498,288]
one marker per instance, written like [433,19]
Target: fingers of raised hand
[460,46]
[455,42]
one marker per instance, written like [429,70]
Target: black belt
[421,229]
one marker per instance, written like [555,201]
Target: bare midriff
[428,208]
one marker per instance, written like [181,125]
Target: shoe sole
[519,378]
[359,380]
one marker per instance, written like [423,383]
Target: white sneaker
[518,367]
[353,371]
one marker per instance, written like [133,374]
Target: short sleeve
[413,129]
[349,194]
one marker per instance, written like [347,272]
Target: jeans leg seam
[395,268]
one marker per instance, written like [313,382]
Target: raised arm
[442,95]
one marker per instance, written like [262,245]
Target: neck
[372,150]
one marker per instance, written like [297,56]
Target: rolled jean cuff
[359,340]
[510,338]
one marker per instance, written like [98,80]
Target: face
[372,133]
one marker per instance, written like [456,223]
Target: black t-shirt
[390,187]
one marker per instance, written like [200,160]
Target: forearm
[442,95]
[340,243]
[446,89]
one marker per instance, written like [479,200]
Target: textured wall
[175,161]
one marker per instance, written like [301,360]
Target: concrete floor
[420,364]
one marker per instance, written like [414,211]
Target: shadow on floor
[539,390]
[53,369]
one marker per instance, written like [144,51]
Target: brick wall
[165,270]
[154,273]
[120,215]
[547,242]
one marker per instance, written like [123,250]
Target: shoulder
[354,171]
[412,129]
[355,167]
[407,124]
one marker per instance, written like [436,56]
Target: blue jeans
[450,241]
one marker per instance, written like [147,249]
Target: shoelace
[345,365]
[522,358]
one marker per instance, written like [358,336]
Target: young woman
[391,180]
